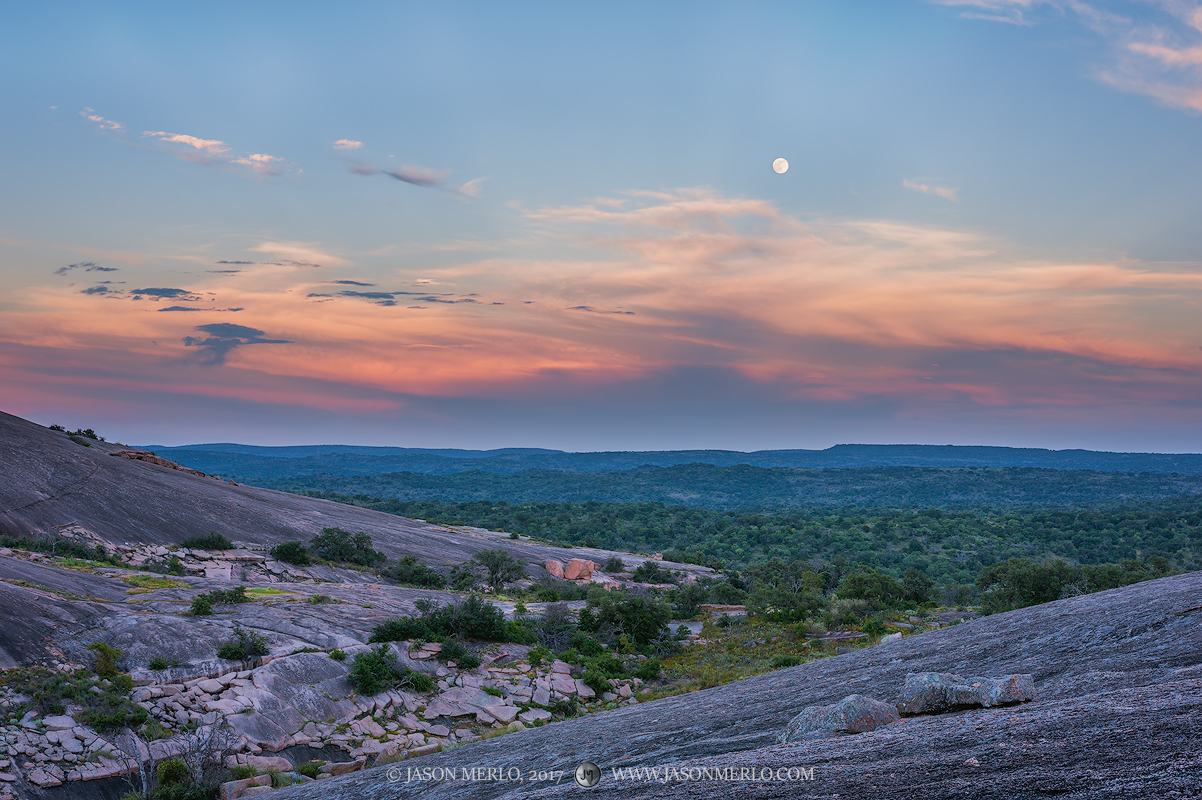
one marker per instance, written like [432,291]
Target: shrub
[242,772]
[649,670]
[409,571]
[500,566]
[310,769]
[174,566]
[173,771]
[875,588]
[158,663]
[494,691]
[377,670]
[780,662]
[597,681]
[292,553]
[614,564]
[105,661]
[640,618]
[202,605]
[651,572]
[245,644]
[87,433]
[337,545]
[321,599]
[473,618]
[537,656]
[337,655]
[211,541]
[454,651]
[873,627]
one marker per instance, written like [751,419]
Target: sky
[557,224]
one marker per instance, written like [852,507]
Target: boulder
[59,723]
[554,568]
[938,692]
[579,569]
[853,714]
[231,790]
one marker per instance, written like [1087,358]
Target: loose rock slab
[938,692]
[853,714]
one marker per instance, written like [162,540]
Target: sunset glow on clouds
[577,304]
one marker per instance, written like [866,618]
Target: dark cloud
[98,290]
[418,176]
[372,295]
[224,271]
[86,266]
[180,308]
[440,300]
[598,310]
[235,262]
[175,293]
[353,283]
[224,337]
[316,294]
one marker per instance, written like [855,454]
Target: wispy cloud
[298,254]
[210,147]
[86,266]
[100,122]
[347,144]
[599,310]
[939,191]
[472,188]
[1156,46]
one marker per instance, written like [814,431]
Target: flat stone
[533,715]
[939,692]
[59,723]
[503,713]
[853,714]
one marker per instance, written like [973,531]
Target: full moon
[780,166]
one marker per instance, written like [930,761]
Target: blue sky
[572,233]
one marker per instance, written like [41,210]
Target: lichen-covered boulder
[853,714]
[939,692]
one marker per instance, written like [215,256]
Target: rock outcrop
[554,567]
[940,692]
[1119,682]
[579,570]
[853,714]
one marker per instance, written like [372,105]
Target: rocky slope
[1118,680]
[52,483]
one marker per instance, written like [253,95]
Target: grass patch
[265,591]
[143,583]
[732,654]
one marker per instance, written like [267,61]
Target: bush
[105,661]
[650,572]
[344,547]
[473,618]
[310,769]
[409,571]
[649,670]
[640,618]
[292,553]
[212,541]
[244,645]
[321,599]
[875,588]
[337,655]
[500,566]
[537,656]
[454,651]
[780,662]
[174,566]
[614,564]
[202,605]
[377,670]
[874,627]
[173,771]
[597,681]
[157,663]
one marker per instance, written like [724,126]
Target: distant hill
[249,462]
[745,487]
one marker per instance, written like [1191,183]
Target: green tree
[500,567]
